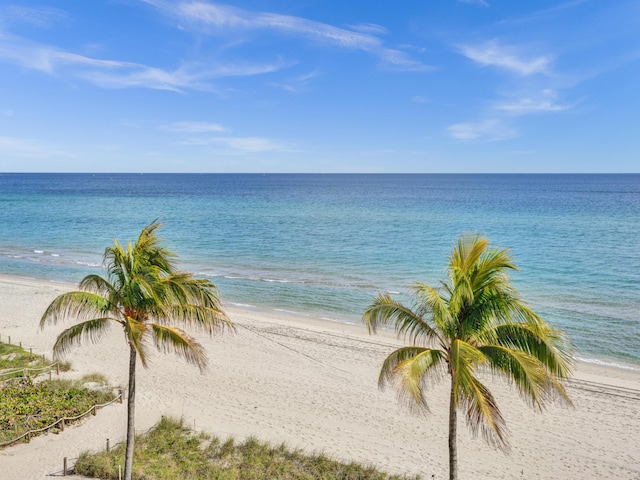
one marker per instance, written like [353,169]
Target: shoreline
[300,316]
[312,384]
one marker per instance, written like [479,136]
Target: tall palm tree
[149,298]
[475,322]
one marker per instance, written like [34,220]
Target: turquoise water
[323,245]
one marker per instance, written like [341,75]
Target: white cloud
[297,84]
[27,148]
[508,58]
[195,127]
[117,74]
[206,134]
[35,16]
[489,129]
[543,102]
[482,3]
[238,144]
[371,28]
[251,144]
[218,18]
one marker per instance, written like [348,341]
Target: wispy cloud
[239,144]
[482,3]
[195,127]
[489,129]
[27,148]
[194,133]
[544,102]
[34,16]
[510,58]
[218,18]
[119,74]
[296,84]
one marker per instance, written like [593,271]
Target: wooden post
[57,368]
[120,393]
[62,424]
[93,411]
[9,339]
[49,375]
[64,467]
[30,353]
[107,445]
[20,344]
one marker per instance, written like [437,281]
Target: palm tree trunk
[453,449]
[131,406]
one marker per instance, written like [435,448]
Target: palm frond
[546,344]
[82,305]
[431,303]
[91,330]
[384,311]
[206,319]
[135,332]
[410,369]
[96,284]
[535,385]
[170,339]
[482,413]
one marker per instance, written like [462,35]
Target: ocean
[324,245]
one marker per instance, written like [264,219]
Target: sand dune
[313,385]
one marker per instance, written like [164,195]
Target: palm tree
[148,297]
[475,322]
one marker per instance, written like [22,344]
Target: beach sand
[313,385]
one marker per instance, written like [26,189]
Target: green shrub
[25,406]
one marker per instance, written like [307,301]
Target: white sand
[313,385]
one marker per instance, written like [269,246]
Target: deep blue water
[323,245]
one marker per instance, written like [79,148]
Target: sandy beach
[313,385]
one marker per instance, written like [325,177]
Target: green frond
[410,369]
[384,311]
[135,332]
[170,339]
[91,330]
[463,359]
[96,284]
[548,345]
[482,413]
[206,319]
[534,383]
[431,303]
[81,305]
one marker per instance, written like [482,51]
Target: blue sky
[320,86]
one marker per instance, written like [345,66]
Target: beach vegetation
[26,406]
[145,294]
[14,360]
[474,322]
[172,451]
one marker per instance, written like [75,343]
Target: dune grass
[172,451]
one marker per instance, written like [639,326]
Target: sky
[320,86]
